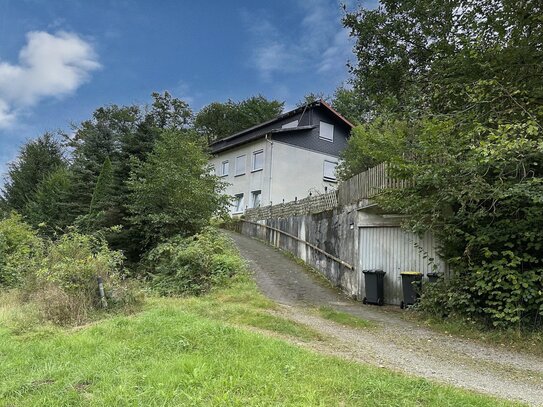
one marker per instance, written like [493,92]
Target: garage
[393,250]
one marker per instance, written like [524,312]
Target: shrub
[65,287]
[20,251]
[194,265]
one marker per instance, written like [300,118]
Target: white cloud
[50,65]
[322,43]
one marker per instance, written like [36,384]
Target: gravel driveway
[396,343]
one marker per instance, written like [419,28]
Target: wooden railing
[362,186]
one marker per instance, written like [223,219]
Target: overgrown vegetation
[455,104]
[20,251]
[193,265]
[58,280]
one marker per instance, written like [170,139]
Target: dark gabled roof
[237,138]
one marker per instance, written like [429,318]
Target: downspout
[268,139]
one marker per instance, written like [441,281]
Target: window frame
[254,194]
[331,140]
[253,161]
[237,173]
[221,172]
[324,177]
[239,200]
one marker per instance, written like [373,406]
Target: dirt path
[396,344]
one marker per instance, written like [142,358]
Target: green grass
[186,352]
[243,304]
[344,318]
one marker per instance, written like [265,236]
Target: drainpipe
[268,139]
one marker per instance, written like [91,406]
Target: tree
[50,209]
[174,191]
[103,190]
[37,158]
[313,97]
[351,104]
[95,140]
[464,78]
[218,120]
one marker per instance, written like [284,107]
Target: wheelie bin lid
[433,274]
[373,271]
[411,273]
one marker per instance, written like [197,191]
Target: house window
[258,160]
[225,165]
[290,125]
[240,165]
[256,198]
[330,171]
[326,131]
[238,203]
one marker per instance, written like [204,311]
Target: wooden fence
[362,186]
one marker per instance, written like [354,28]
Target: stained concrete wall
[333,231]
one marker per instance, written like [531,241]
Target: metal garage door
[393,250]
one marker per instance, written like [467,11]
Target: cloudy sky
[60,60]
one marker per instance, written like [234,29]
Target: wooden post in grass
[103,300]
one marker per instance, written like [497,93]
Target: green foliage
[20,251]
[50,209]
[351,104]
[36,160]
[102,195]
[65,287]
[312,97]
[218,120]
[371,144]
[468,91]
[174,192]
[75,261]
[193,265]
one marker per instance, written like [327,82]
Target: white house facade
[284,159]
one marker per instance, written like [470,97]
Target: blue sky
[60,60]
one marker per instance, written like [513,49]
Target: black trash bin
[432,277]
[411,286]
[375,289]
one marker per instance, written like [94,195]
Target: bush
[65,287]
[194,265]
[20,251]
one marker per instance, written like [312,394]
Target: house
[287,158]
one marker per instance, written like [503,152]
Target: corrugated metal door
[393,250]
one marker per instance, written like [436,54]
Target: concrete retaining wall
[334,231]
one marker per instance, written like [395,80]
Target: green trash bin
[375,287]
[432,277]
[411,286]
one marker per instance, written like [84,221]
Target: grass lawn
[178,352]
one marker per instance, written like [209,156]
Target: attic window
[326,131]
[290,125]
